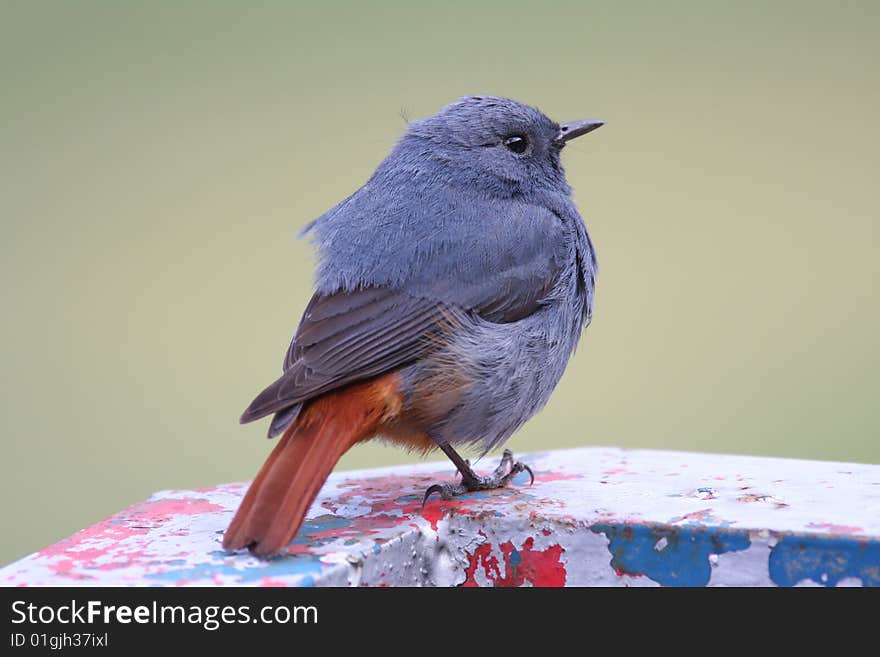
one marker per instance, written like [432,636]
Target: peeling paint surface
[594,517]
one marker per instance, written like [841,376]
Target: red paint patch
[544,477]
[482,556]
[65,568]
[433,513]
[295,549]
[175,507]
[538,567]
[271,581]
[332,534]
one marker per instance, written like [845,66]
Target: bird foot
[470,481]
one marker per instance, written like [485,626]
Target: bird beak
[574,129]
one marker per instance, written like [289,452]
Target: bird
[450,292]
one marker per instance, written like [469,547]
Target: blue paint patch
[324,523]
[672,556]
[306,566]
[475,495]
[521,478]
[797,558]
[515,558]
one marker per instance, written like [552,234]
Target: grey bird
[451,291]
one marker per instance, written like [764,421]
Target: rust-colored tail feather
[277,501]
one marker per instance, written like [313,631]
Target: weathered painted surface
[595,516]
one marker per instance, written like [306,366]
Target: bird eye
[516,143]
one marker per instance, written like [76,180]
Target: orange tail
[277,501]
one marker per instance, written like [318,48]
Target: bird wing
[346,337]
[352,335]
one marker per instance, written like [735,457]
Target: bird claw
[436,488]
[470,482]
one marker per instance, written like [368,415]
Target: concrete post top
[594,516]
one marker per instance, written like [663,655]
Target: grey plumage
[460,263]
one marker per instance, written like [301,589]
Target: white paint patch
[750,567]
[850,581]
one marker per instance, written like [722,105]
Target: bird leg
[471,481]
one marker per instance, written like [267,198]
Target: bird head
[496,144]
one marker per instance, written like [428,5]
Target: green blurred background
[159,158]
